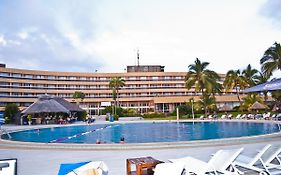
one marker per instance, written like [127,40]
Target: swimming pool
[145,132]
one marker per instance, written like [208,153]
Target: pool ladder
[4,131]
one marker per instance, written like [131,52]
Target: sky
[90,35]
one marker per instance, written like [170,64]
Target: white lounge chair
[266,116]
[238,116]
[243,116]
[210,117]
[176,168]
[223,116]
[221,162]
[201,117]
[251,162]
[229,116]
[271,160]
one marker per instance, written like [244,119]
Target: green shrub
[81,116]
[154,115]
[10,112]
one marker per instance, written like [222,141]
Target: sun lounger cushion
[176,168]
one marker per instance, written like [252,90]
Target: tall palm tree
[202,79]
[271,59]
[235,79]
[250,75]
[115,84]
[261,78]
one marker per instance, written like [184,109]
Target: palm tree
[261,78]
[249,100]
[271,59]
[209,101]
[78,95]
[235,79]
[116,83]
[202,79]
[250,75]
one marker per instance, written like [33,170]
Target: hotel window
[143,85]
[16,75]
[4,84]
[132,78]
[142,78]
[83,78]
[167,78]
[28,76]
[62,78]
[16,84]
[40,77]
[155,78]
[4,74]
[51,86]
[5,94]
[102,78]
[16,94]
[72,78]
[51,77]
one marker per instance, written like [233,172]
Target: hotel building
[147,88]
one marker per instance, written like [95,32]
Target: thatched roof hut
[48,104]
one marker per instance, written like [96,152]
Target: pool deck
[45,159]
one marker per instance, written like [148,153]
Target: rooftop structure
[145,68]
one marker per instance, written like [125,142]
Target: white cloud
[23,35]
[3,42]
[228,34]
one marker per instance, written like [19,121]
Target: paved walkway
[47,162]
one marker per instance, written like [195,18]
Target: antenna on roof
[138,57]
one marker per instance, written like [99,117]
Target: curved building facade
[145,89]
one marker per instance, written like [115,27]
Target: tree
[235,79]
[249,100]
[250,75]
[271,59]
[10,112]
[209,101]
[78,95]
[115,84]
[202,79]
[261,78]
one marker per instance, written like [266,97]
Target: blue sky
[89,35]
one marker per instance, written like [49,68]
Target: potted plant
[29,118]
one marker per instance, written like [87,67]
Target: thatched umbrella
[225,108]
[45,104]
[258,106]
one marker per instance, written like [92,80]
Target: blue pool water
[145,132]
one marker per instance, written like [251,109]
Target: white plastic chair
[221,162]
